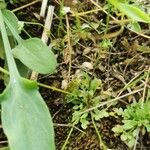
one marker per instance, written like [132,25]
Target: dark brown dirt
[124,60]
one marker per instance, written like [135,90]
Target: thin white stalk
[111,101]
[145,87]
[43,8]
[48,23]
[136,140]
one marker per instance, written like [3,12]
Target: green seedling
[86,93]
[135,117]
[25,117]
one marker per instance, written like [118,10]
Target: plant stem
[107,19]
[53,88]
[110,101]
[136,140]
[35,23]
[14,74]
[4,71]
[60,26]
[69,47]
[101,143]
[25,6]
[41,84]
[66,141]
[145,87]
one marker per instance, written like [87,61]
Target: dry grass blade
[25,6]
[69,46]
[111,101]
[43,8]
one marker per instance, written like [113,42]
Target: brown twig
[69,47]
[25,6]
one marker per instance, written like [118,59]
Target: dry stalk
[25,6]
[43,8]
[69,47]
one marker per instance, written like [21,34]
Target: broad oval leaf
[25,117]
[36,55]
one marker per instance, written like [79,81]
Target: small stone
[87,65]
[87,50]
[64,84]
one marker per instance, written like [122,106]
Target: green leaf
[135,27]
[131,142]
[124,137]
[2,50]
[135,132]
[118,111]
[95,84]
[99,114]
[132,11]
[117,129]
[148,127]
[4,148]
[143,48]
[76,116]
[36,55]
[2,4]
[23,70]
[129,124]
[13,20]
[84,121]
[25,117]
